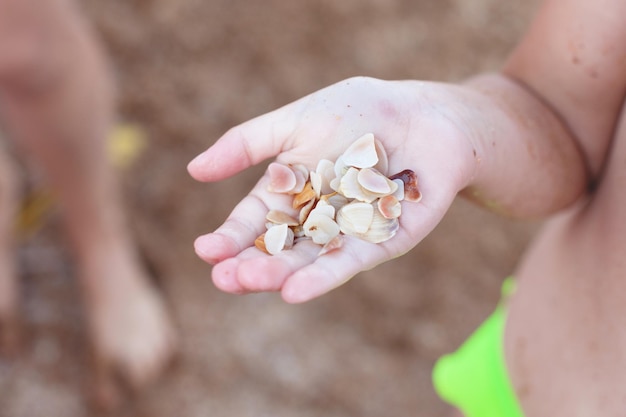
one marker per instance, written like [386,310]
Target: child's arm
[496,138]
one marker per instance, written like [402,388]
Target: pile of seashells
[351,196]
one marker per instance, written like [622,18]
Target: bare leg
[57,102]
[8,278]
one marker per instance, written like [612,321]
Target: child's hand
[417,132]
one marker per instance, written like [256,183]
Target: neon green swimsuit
[474,378]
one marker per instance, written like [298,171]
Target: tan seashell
[304,196]
[355,218]
[389,206]
[282,178]
[280,217]
[411,191]
[381,230]
[278,238]
[361,153]
[305,210]
[320,228]
[333,244]
[259,242]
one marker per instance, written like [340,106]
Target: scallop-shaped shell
[305,210]
[355,218]
[381,230]
[320,228]
[361,153]
[278,238]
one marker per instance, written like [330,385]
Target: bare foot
[131,333]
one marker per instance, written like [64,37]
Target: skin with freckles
[544,137]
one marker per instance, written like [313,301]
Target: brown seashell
[304,196]
[259,242]
[409,178]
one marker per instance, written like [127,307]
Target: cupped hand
[417,128]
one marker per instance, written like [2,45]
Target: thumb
[244,145]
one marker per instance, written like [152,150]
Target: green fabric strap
[474,378]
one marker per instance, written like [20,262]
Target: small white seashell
[355,218]
[320,228]
[383,162]
[326,170]
[399,193]
[278,238]
[361,153]
[322,207]
[316,183]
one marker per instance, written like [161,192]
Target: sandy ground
[188,70]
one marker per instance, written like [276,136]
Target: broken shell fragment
[260,243]
[307,194]
[320,228]
[389,206]
[278,238]
[333,244]
[411,192]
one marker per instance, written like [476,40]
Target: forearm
[528,164]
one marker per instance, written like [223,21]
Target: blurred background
[188,70]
